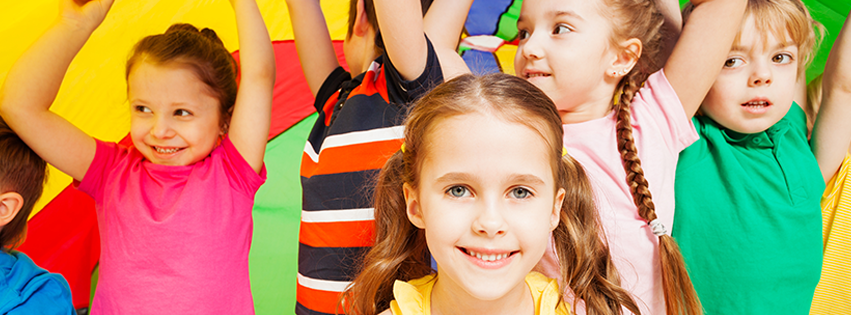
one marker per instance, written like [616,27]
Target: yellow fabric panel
[834,289]
[93,92]
[505,57]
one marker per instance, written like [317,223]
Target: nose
[161,128]
[490,221]
[531,48]
[761,74]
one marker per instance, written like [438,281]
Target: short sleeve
[663,106]
[330,86]
[51,296]
[107,155]
[241,176]
[408,91]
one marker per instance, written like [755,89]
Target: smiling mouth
[757,104]
[161,150]
[536,75]
[488,257]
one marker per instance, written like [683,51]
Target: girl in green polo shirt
[747,193]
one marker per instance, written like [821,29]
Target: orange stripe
[328,108]
[350,158]
[337,234]
[318,300]
[371,86]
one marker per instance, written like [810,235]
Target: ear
[628,55]
[412,206]
[10,204]
[361,26]
[556,215]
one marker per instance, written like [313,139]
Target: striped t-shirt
[359,127]
[833,293]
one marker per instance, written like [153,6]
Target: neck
[447,298]
[597,104]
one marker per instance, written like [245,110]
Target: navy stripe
[330,263]
[302,310]
[352,190]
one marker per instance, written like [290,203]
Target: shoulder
[36,290]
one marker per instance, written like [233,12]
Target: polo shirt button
[757,140]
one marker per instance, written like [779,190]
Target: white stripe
[338,215]
[308,148]
[323,285]
[367,136]
[374,66]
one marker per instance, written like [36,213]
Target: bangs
[789,22]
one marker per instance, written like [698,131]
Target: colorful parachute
[62,229]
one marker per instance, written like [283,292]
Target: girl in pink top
[599,61]
[174,210]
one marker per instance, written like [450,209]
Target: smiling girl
[175,208]
[480,185]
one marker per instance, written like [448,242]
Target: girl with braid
[626,121]
[480,184]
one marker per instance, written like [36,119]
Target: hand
[84,13]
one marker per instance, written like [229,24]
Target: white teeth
[533,75]
[758,103]
[487,257]
[166,151]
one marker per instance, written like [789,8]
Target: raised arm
[312,42]
[249,125]
[832,132]
[703,46]
[671,29]
[33,82]
[401,25]
[443,24]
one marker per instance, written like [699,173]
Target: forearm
[34,80]
[832,133]
[401,23]
[670,10]
[257,58]
[312,41]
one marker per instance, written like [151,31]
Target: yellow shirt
[414,297]
[833,293]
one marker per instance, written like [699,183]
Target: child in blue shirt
[24,287]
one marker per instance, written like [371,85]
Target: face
[756,87]
[174,119]
[565,50]
[487,201]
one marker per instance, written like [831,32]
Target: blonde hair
[400,251]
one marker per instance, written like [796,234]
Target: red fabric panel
[292,100]
[63,238]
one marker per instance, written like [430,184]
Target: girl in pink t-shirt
[599,61]
[174,210]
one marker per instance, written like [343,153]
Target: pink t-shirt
[661,130]
[174,239]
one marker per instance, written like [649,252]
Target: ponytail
[586,265]
[680,297]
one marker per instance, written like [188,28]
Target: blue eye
[520,193]
[733,62]
[182,112]
[782,58]
[458,191]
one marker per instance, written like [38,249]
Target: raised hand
[84,13]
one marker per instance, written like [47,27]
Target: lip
[757,105]
[533,74]
[496,264]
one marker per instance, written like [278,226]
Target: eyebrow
[776,47]
[557,14]
[466,177]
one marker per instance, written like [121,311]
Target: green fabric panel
[273,260]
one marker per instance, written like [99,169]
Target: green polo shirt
[748,219]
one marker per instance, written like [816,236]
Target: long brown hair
[202,52]
[400,251]
[21,171]
[641,19]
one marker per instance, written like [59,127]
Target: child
[623,119]
[174,210]
[25,288]
[485,220]
[358,128]
[748,191]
